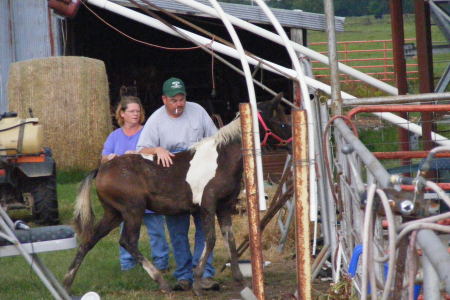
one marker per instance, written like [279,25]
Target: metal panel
[288,18]
[25,34]
[31,29]
[6,52]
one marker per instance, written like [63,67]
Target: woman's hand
[108,157]
[131,152]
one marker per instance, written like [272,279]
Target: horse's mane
[225,135]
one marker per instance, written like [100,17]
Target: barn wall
[129,63]
[25,34]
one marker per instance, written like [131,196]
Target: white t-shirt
[176,134]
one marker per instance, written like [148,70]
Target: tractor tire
[45,201]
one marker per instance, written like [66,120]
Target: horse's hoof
[164,287]
[197,289]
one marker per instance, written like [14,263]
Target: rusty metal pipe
[248,154]
[398,41]
[407,154]
[402,99]
[399,108]
[425,62]
[301,167]
[444,186]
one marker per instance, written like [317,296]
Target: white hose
[366,239]
[392,243]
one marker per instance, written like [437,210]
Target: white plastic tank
[20,136]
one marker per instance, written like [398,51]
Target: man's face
[175,105]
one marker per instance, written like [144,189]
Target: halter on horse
[205,178]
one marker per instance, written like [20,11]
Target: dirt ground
[280,284]
[279,277]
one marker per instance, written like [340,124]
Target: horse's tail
[83,214]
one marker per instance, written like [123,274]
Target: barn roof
[254,14]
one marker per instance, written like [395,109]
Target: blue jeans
[178,227]
[158,244]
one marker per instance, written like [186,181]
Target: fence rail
[377,60]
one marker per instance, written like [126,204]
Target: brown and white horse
[206,177]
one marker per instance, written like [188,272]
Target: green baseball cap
[173,86]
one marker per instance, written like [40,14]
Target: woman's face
[132,114]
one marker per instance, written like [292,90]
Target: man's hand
[164,156]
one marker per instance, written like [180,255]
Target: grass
[385,136]
[368,28]
[100,270]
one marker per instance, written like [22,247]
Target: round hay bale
[70,97]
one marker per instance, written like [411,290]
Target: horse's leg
[109,221]
[208,226]
[225,223]
[129,240]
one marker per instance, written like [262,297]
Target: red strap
[268,133]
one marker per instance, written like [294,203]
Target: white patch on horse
[203,169]
[147,156]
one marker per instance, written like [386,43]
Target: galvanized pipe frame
[231,52]
[375,167]
[431,288]
[437,254]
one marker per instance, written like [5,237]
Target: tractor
[27,170]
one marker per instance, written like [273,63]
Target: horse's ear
[275,102]
[122,91]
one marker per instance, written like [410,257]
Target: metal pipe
[336,106]
[301,79]
[430,280]
[301,167]
[252,200]
[375,167]
[398,41]
[320,260]
[436,252]
[252,100]
[444,186]
[381,109]
[425,62]
[406,154]
[297,47]
[129,13]
[426,97]
[399,108]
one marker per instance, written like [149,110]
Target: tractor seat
[42,239]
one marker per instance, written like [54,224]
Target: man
[172,128]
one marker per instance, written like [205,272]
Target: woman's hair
[122,106]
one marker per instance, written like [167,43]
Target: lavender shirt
[119,143]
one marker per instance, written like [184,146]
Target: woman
[130,116]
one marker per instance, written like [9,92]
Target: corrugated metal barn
[30,30]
